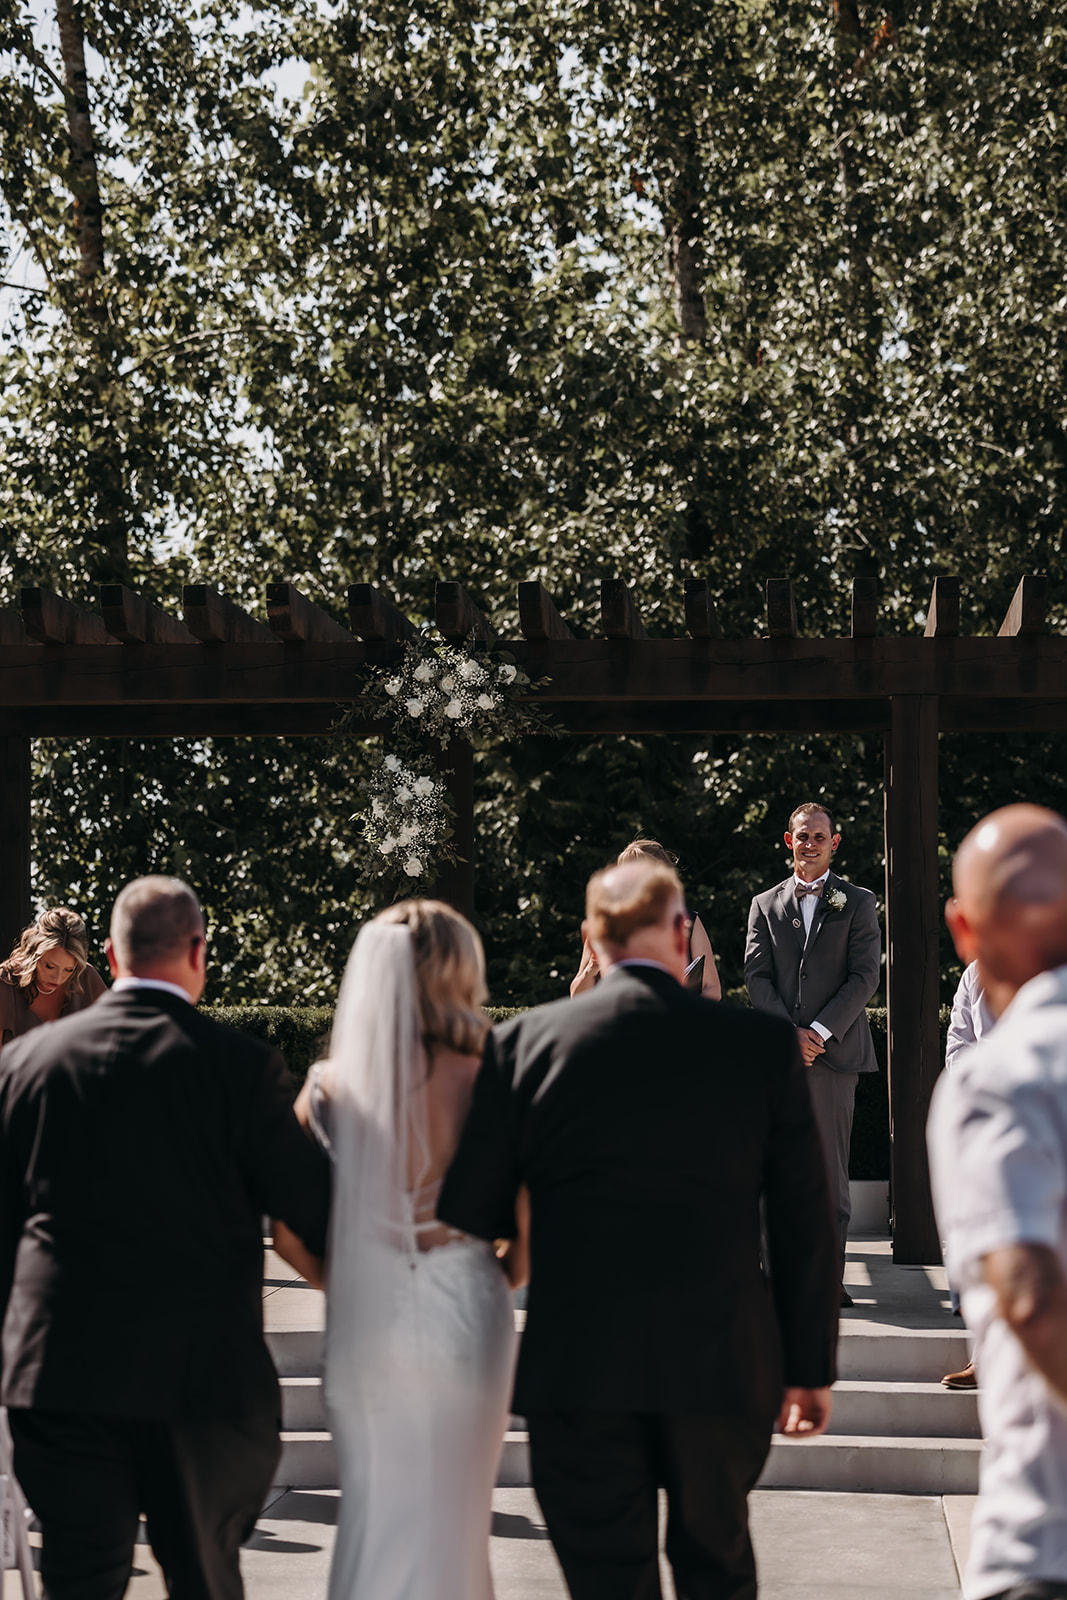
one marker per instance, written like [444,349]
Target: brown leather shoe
[964,1379]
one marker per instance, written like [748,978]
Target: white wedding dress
[420,1343]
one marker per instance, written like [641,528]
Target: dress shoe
[964,1379]
[846,1300]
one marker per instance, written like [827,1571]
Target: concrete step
[296,1352]
[862,1465]
[303,1406]
[904,1410]
[881,1355]
[874,1465]
[909,1355]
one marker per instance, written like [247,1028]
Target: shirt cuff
[824,1033]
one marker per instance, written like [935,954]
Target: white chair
[14,1519]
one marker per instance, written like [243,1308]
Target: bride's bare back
[446,1097]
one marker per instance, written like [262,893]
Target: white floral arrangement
[837,900]
[435,694]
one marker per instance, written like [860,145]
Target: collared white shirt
[807,911]
[998,1156]
[810,901]
[152,983]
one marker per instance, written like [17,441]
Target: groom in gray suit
[813,956]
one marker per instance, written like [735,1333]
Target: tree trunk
[684,261]
[88,210]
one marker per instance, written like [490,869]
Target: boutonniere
[837,899]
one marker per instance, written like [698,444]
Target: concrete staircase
[895,1429]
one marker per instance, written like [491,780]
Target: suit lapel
[821,909]
[790,910]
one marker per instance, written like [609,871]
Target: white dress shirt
[807,911]
[998,1159]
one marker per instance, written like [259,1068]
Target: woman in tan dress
[47,975]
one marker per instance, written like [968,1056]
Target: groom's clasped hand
[619,1149]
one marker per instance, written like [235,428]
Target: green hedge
[301,1033]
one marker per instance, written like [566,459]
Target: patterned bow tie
[808,888]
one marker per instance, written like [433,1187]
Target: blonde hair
[646,850]
[618,905]
[449,972]
[56,929]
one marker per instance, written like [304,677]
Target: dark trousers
[199,1484]
[597,1475]
[833,1100]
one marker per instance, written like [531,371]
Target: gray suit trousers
[833,1097]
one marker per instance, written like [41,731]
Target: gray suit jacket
[828,977]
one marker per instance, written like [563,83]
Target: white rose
[406,835]
[486,702]
[508,673]
[378,808]
[403,795]
[448,683]
[414,708]
[393,763]
[413,867]
[424,787]
[423,672]
[394,686]
[388,845]
[454,709]
[471,672]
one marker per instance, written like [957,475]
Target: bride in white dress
[420,1339]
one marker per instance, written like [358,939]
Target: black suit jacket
[647,1123]
[140,1146]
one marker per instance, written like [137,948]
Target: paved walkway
[809,1547]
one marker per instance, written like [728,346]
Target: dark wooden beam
[986,715]
[216,620]
[701,618]
[864,608]
[1026,614]
[134,620]
[781,609]
[618,614]
[374,616]
[11,629]
[178,721]
[294,618]
[943,617]
[455,883]
[15,838]
[52,620]
[913,924]
[538,617]
[707,717]
[649,670]
[457,617]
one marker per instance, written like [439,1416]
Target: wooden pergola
[132,670]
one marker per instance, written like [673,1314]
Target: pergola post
[455,884]
[912,970]
[14,838]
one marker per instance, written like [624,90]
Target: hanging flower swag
[437,693]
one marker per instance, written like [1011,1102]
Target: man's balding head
[157,931]
[637,911]
[1010,905]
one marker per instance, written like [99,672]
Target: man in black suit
[140,1146]
[647,1123]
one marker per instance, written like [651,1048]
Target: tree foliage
[492,289]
